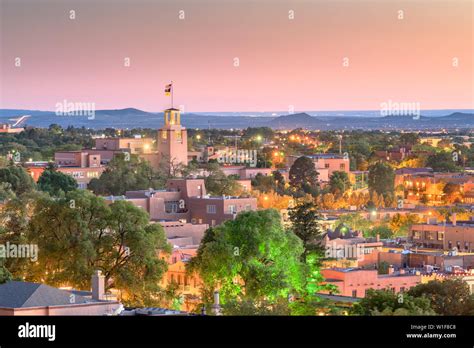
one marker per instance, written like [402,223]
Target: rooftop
[17,294]
[325,155]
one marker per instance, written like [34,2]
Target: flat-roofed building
[81,159]
[186,200]
[444,236]
[83,176]
[355,282]
[326,164]
[136,145]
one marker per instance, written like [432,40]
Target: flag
[168,89]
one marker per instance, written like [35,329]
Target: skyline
[82,59]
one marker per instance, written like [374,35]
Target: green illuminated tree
[355,221]
[251,258]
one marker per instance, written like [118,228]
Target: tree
[126,173]
[79,233]
[263,183]
[191,169]
[381,179]
[272,200]
[452,192]
[303,177]
[383,231]
[18,178]
[54,182]
[5,275]
[6,191]
[304,219]
[262,132]
[448,297]
[339,183]
[15,218]
[355,221]
[328,201]
[443,162]
[219,184]
[383,267]
[409,139]
[251,258]
[280,184]
[400,224]
[386,302]
[128,254]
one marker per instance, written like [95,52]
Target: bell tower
[172,140]
[172,117]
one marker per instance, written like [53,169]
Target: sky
[237,55]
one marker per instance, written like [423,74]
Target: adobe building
[186,200]
[135,145]
[81,165]
[8,128]
[349,248]
[325,163]
[429,185]
[244,172]
[444,236]
[187,285]
[355,282]
[80,159]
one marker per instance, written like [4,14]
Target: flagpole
[172,91]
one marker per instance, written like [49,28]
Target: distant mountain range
[135,118]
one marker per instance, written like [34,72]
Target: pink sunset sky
[283,61]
